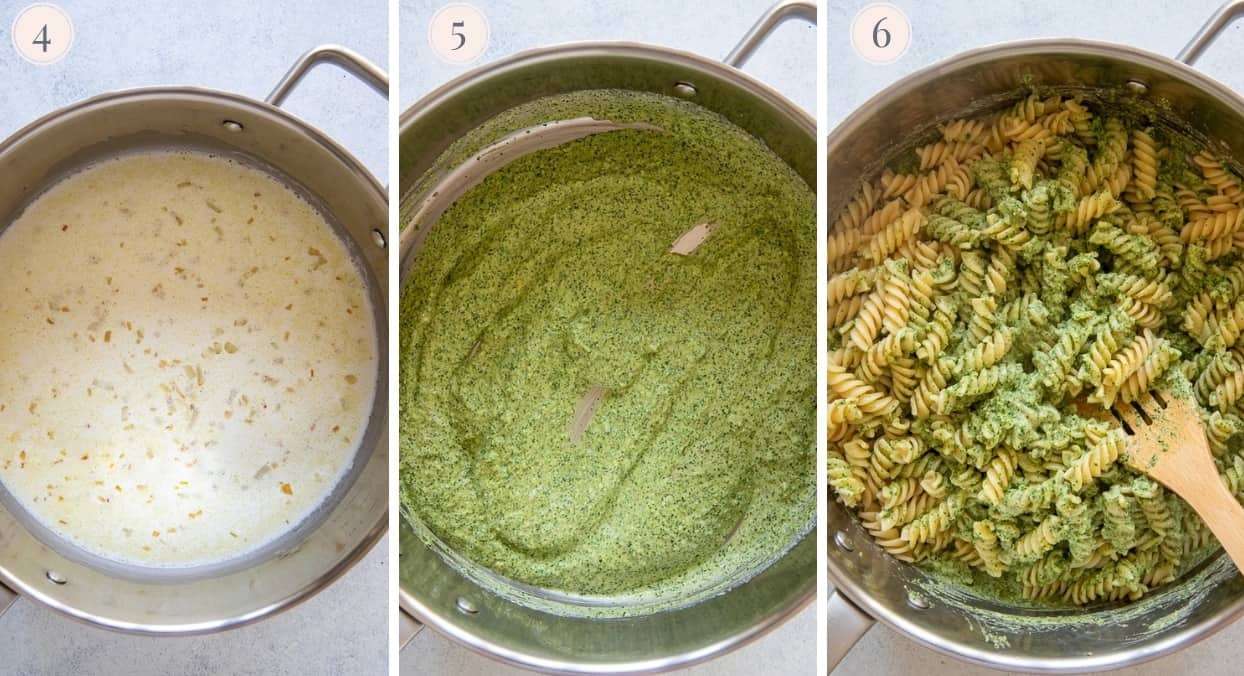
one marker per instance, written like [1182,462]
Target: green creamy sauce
[552,277]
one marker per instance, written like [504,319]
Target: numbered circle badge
[42,33]
[881,33]
[458,33]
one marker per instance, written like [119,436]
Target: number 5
[453,30]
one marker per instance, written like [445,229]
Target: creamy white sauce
[187,362]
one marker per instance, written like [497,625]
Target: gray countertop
[943,28]
[341,630]
[786,62]
[244,47]
[238,46]
[940,29]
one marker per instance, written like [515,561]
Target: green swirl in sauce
[553,276]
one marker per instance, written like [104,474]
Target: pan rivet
[917,601]
[378,238]
[842,540]
[465,605]
[232,126]
[55,577]
[1137,87]
[685,90]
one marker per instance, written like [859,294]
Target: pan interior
[1006,632]
[555,124]
[262,456]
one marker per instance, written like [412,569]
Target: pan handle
[407,628]
[846,624]
[7,597]
[1229,12]
[347,59]
[777,14]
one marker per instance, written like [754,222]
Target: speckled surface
[786,62]
[940,29]
[243,47]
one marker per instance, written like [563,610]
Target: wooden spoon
[1166,440]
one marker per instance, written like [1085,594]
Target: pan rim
[445,624]
[374,532]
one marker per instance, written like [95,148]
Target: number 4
[43,39]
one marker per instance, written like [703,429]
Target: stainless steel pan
[435,591]
[323,547]
[869,584]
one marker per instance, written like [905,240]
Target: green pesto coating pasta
[989,302]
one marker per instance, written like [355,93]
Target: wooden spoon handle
[1225,517]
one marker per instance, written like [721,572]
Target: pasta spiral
[1155,365]
[934,483]
[933,522]
[986,542]
[1006,233]
[954,232]
[926,398]
[963,130]
[997,476]
[976,384]
[895,235]
[868,399]
[844,411]
[1088,209]
[1214,226]
[887,538]
[988,352]
[1121,367]
[941,152]
[1095,460]
[858,209]
[904,513]
[1039,540]
[1144,164]
[899,491]
[1132,251]
[843,480]
[1219,428]
[937,331]
[895,297]
[1024,162]
[1218,177]
[1228,391]
[1118,526]
[845,310]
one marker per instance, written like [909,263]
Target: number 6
[877,30]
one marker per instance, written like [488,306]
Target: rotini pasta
[1023,273]
[895,235]
[847,486]
[1144,164]
[1089,209]
[997,476]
